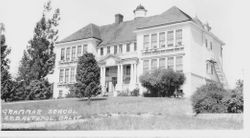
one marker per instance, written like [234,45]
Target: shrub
[210,98]
[135,92]
[162,82]
[39,90]
[123,93]
[73,93]
[235,103]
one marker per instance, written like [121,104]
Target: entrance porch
[118,75]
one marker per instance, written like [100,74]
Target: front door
[114,81]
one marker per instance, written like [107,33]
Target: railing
[162,50]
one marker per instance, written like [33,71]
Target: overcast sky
[227,18]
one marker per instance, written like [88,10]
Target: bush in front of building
[87,76]
[210,98]
[135,92]
[39,90]
[162,82]
[235,103]
[123,93]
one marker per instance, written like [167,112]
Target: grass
[167,113]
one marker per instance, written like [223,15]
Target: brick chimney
[118,18]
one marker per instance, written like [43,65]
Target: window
[79,51]
[67,75]
[73,55]
[145,65]
[68,53]
[162,39]
[72,75]
[209,68]
[154,41]
[179,64]
[135,46]
[85,48]
[162,63]
[171,63]
[62,53]
[211,46]
[101,52]
[145,41]
[153,64]
[115,49]
[127,47]
[61,75]
[108,50]
[206,43]
[178,37]
[120,48]
[170,38]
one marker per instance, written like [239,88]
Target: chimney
[118,18]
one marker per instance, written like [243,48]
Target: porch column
[103,79]
[121,81]
[135,73]
[131,73]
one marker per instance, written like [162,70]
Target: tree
[162,82]
[6,82]
[39,59]
[88,76]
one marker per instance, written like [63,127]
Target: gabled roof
[124,31]
[89,31]
[172,15]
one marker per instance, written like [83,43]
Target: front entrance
[111,78]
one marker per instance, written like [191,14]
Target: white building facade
[126,49]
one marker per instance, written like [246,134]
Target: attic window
[101,52]
[108,50]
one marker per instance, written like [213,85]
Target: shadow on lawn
[93,99]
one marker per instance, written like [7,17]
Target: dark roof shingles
[124,31]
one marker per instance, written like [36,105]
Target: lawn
[116,113]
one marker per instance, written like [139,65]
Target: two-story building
[126,49]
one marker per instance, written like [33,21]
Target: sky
[228,19]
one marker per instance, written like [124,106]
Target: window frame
[146,43]
[62,53]
[154,41]
[73,53]
[164,63]
[145,68]
[162,39]
[108,49]
[72,74]
[135,46]
[101,51]
[120,48]
[127,47]
[172,63]
[67,75]
[178,64]
[178,38]
[68,53]
[115,49]
[170,38]
[61,75]
[79,50]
